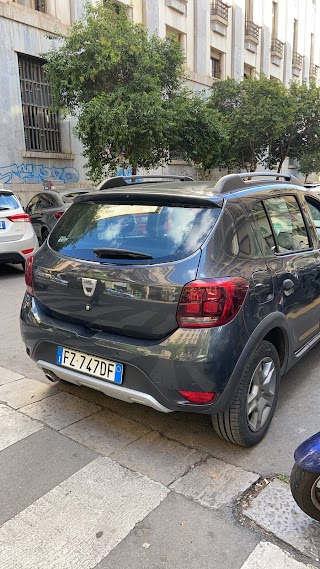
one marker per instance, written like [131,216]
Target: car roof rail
[237,181]
[122,181]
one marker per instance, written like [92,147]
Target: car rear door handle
[288,286]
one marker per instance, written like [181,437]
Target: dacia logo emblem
[89,286]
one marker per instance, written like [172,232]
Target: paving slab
[181,534]
[80,521]
[14,426]
[267,555]
[275,510]
[105,432]
[7,376]
[214,483]
[157,457]
[25,391]
[35,465]
[60,410]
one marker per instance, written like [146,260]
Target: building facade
[35,144]
[238,38]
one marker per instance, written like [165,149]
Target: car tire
[44,235]
[249,416]
[305,488]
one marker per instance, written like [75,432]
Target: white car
[17,237]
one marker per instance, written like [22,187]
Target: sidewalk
[83,486]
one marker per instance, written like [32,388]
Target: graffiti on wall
[36,173]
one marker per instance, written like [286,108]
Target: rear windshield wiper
[5,208]
[105,253]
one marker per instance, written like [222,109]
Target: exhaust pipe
[51,376]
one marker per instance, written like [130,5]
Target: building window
[41,125]
[215,65]
[179,36]
[274,19]
[249,10]
[39,5]
[249,72]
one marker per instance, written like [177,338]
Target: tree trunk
[280,165]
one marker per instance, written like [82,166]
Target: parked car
[305,476]
[48,206]
[201,310]
[313,187]
[17,238]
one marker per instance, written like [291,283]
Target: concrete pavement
[87,481]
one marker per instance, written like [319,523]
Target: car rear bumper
[12,251]
[154,371]
[53,372]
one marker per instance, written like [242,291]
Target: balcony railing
[313,71]
[276,48]
[252,31]
[219,9]
[297,60]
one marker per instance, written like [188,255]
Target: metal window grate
[277,47]
[297,59]
[313,71]
[252,30]
[219,8]
[41,125]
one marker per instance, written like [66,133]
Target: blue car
[305,477]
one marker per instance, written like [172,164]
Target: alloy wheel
[315,493]
[261,394]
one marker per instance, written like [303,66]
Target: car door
[33,210]
[295,265]
[42,215]
[53,208]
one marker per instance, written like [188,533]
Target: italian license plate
[90,365]
[2,224]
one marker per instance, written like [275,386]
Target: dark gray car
[48,206]
[184,296]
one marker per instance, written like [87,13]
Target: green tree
[198,133]
[301,134]
[125,90]
[256,112]
[309,163]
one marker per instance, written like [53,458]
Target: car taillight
[198,397]
[28,275]
[209,303]
[19,217]
[58,214]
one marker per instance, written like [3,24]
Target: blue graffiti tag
[36,173]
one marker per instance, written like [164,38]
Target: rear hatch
[118,261]
[13,221]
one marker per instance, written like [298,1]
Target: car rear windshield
[163,233]
[8,201]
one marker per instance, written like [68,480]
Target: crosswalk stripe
[267,555]
[14,426]
[81,520]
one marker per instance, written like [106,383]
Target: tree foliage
[302,132]
[256,112]
[267,121]
[309,163]
[125,89]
